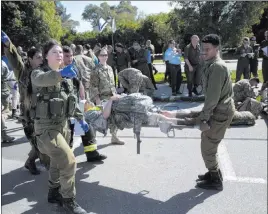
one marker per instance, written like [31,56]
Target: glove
[4,37]
[68,71]
[84,125]
[204,126]
[15,86]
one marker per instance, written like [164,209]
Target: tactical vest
[54,103]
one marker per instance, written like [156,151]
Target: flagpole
[113,40]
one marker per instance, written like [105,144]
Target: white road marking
[227,169]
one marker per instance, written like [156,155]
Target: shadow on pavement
[16,141]
[92,196]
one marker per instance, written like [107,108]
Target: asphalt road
[160,180]
[231,65]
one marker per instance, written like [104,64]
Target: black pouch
[71,105]
[56,106]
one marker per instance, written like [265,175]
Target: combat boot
[115,140]
[205,176]
[14,114]
[214,183]
[95,156]
[30,165]
[195,91]
[54,196]
[6,138]
[71,206]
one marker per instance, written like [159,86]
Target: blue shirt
[4,58]
[174,58]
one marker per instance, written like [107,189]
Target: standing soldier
[139,59]
[4,101]
[122,59]
[89,139]
[85,65]
[192,65]
[111,61]
[102,88]
[254,60]
[217,112]
[134,81]
[54,103]
[244,52]
[172,56]
[22,73]
[264,47]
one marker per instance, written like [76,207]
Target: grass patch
[159,77]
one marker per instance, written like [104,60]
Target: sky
[76,8]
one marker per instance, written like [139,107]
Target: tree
[24,23]
[123,13]
[66,21]
[231,20]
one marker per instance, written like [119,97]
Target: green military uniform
[194,77]
[102,85]
[141,64]
[121,61]
[52,105]
[218,109]
[22,73]
[84,66]
[134,81]
[264,44]
[254,60]
[242,90]
[243,62]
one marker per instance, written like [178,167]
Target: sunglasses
[103,54]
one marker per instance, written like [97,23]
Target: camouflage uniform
[22,72]
[242,90]
[5,92]
[134,81]
[84,65]
[102,85]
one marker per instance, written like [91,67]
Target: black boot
[14,114]
[95,156]
[54,196]
[195,91]
[71,206]
[206,176]
[190,94]
[214,183]
[5,137]
[30,165]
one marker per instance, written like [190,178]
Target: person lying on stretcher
[99,117]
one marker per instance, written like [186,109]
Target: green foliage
[231,20]
[30,23]
[123,13]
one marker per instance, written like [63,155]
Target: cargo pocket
[56,106]
[42,111]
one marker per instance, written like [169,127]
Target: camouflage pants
[251,105]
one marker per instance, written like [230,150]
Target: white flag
[102,24]
[113,26]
